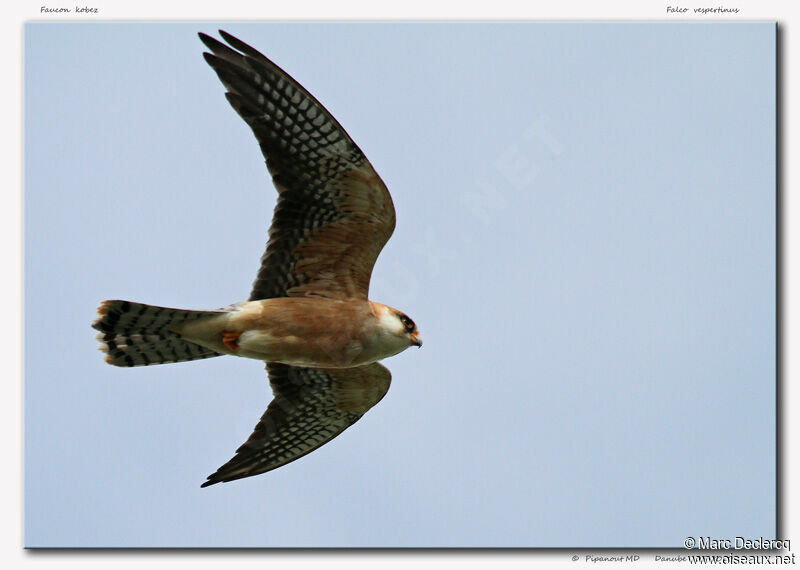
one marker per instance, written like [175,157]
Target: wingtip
[210,58]
[210,42]
[246,49]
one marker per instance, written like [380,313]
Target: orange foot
[231,340]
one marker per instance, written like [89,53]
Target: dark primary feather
[311,406]
[331,204]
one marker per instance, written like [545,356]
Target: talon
[231,340]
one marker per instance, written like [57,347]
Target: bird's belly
[322,351]
[299,332]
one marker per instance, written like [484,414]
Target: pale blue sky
[585,237]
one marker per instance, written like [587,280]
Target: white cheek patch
[390,323]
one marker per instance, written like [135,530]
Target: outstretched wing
[334,213]
[311,406]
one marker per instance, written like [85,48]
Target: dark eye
[407,323]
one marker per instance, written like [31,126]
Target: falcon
[308,316]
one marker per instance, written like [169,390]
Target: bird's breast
[303,332]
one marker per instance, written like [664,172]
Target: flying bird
[308,316]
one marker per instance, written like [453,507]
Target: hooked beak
[415,340]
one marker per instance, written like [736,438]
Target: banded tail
[134,334]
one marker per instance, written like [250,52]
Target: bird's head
[397,324]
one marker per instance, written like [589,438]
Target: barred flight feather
[135,334]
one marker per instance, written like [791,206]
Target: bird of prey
[308,316]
